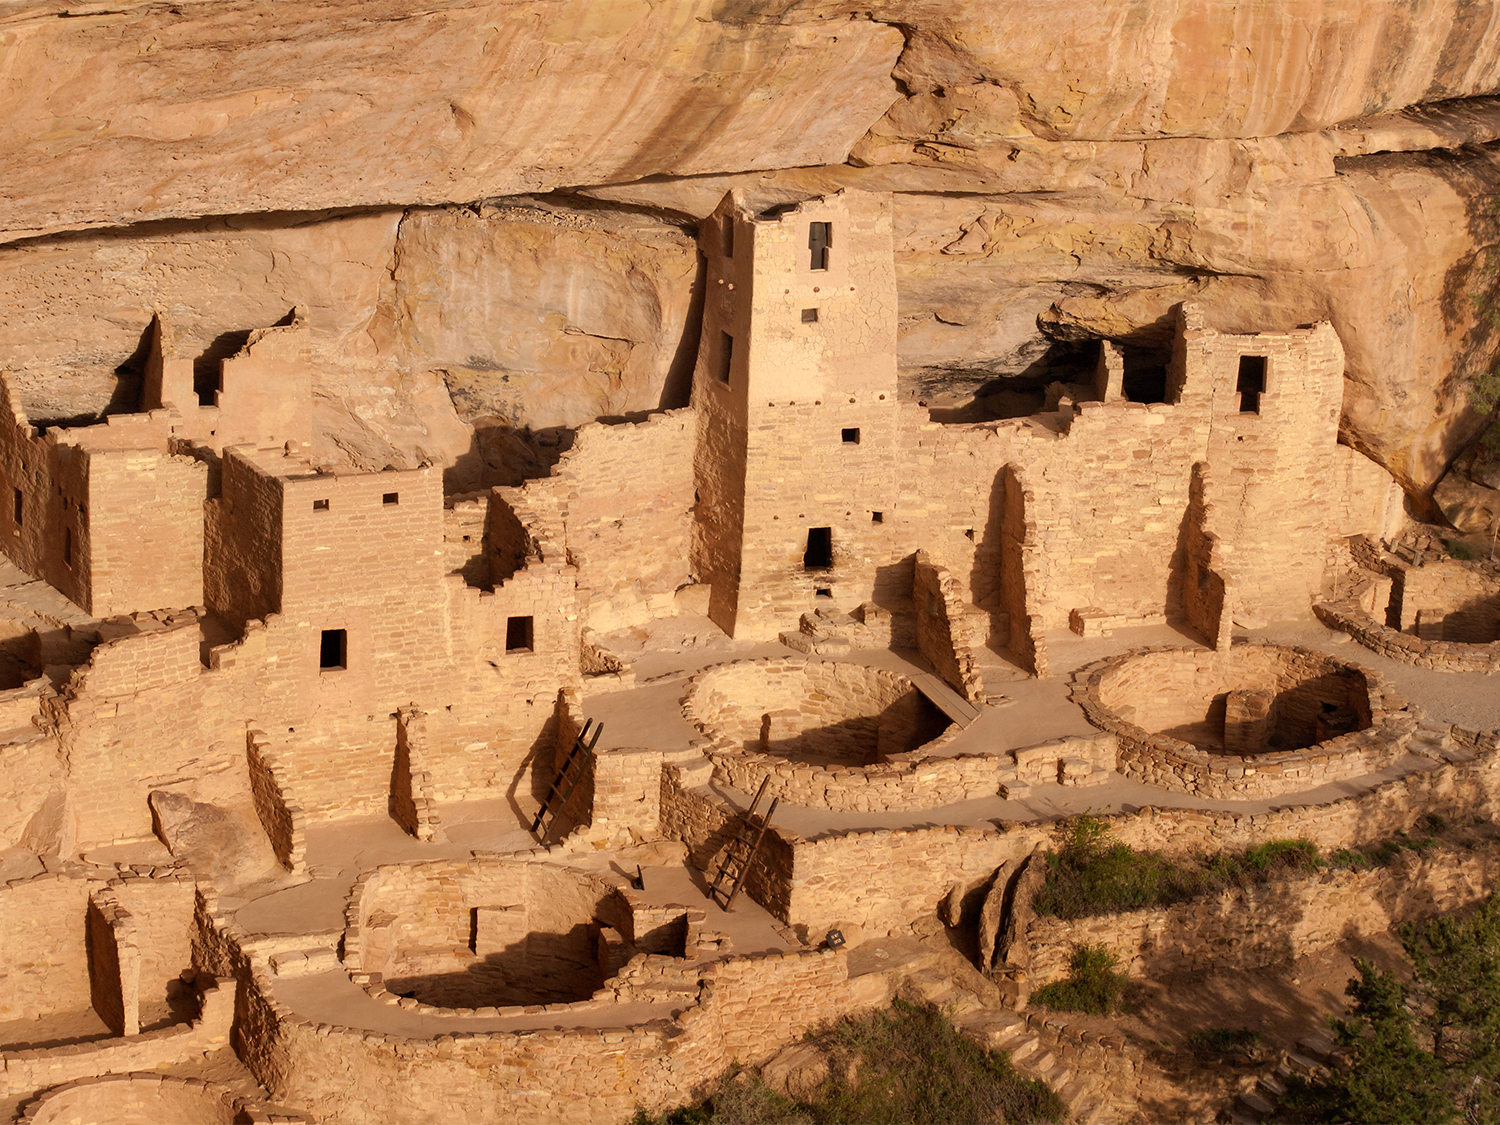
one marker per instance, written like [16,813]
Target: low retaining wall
[25,1072]
[1444,656]
[1262,924]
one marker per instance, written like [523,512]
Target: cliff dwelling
[553,554]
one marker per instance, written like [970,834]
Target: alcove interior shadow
[864,740]
[540,968]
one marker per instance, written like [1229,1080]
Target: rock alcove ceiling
[486,207]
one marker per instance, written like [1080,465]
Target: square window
[333,649]
[851,435]
[518,635]
[391,498]
[809,316]
[819,553]
[877,517]
[320,505]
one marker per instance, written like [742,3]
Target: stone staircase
[928,973]
[1435,740]
[1311,1058]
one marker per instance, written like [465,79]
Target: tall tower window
[726,355]
[1251,383]
[333,649]
[819,239]
[727,235]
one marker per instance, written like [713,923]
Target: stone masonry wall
[629,492]
[1261,924]
[43,947]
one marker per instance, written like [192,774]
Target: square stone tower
[795,390]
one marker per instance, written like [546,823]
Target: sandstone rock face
[545,317]
[1060,175]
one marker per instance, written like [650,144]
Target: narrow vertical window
[726,355]
[819,553]
[819,239]
[727,234]
[1251,383]
[19,505]
[68,546]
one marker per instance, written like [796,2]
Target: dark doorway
[819,553]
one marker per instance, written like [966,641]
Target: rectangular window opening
[320,505]
[809,316]
[333,649]
[819,553]
[19,505]
[823,592]
[726,355]
[819,239]
[391,498]
[1251,383]
[68,545]
[877,517]
[518,634]
[727,234]
[851,435]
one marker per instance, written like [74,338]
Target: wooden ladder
[739,857]
[567,778]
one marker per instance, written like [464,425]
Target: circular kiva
[456,936]
[1252,721]
[832,735]
[1449,611]
[145,1099]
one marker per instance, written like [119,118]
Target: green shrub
[1457,549]
[1224,1040]
[906,1064]
[1094,984]
[1346,857]
[1277,854]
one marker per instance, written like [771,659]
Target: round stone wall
[484,934]
[1257,720]
[141,1099]
[832,735]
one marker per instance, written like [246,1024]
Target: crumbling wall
[629,490]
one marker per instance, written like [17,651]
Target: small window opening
[726,355]
[823,592]
[320,505]
[969,534]
[1145,384]
[809,316]
[1251,383]
[851,435]
[877,517]
[819,239]
[390,498]
[727,234]
[1203,578]
[68,545]
[518,635]
[19,505]
[819,553]
[333,649]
